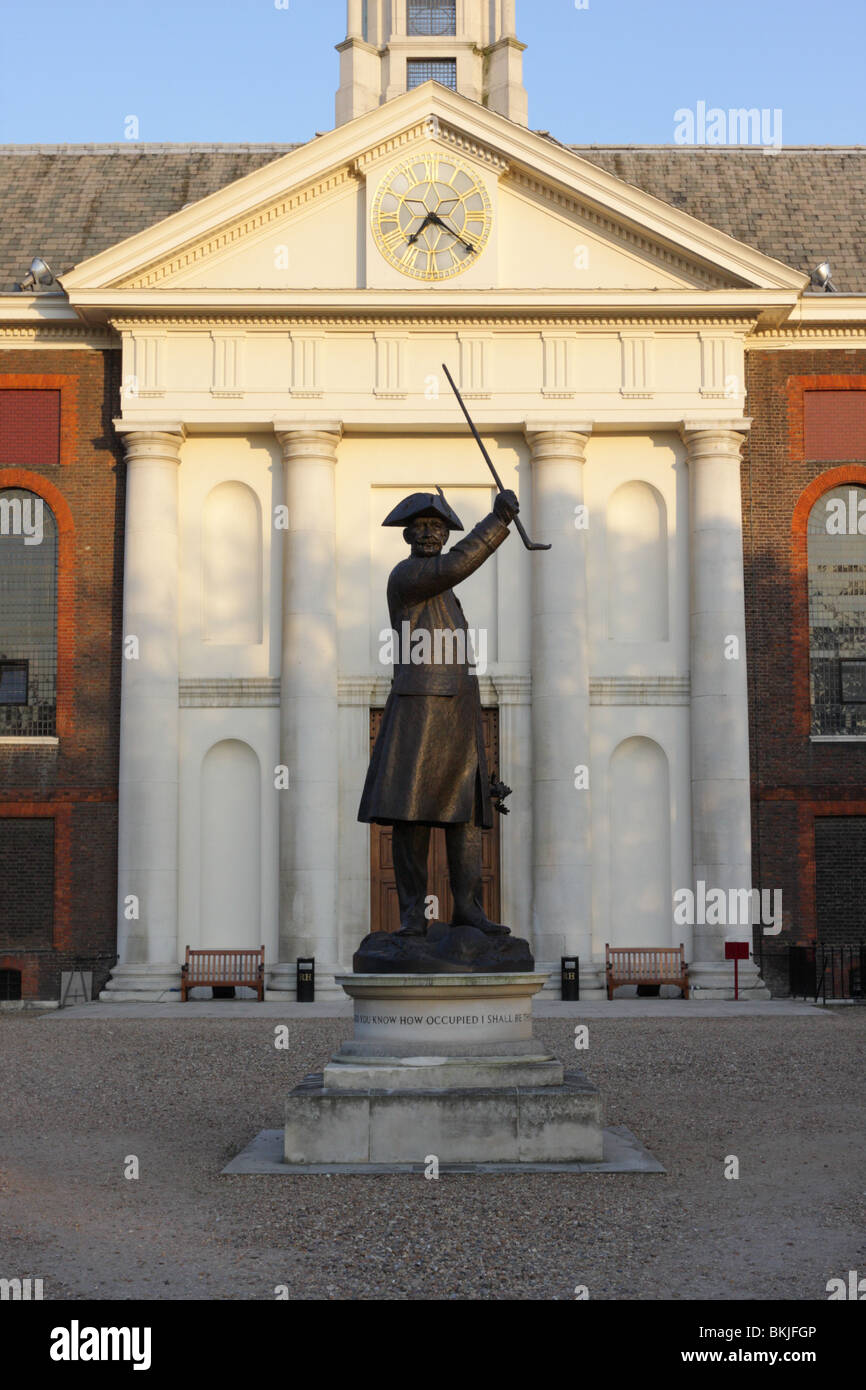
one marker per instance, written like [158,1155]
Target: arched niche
[640,845]
[232,567]
[637,565]
[230,854]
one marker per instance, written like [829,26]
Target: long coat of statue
[429,763]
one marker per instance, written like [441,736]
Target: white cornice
[829,309]
[36,309]
[778,340]
[57,335]
[103,305]
[372,325]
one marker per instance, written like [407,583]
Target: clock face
[432,217]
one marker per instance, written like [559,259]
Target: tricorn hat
[423,504]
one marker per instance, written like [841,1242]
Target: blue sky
[245,70]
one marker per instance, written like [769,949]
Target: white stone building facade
[282,389]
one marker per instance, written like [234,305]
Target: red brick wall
[29,426]
[76,783]
[788,463]
[28,430]
[840,873]
[835,425]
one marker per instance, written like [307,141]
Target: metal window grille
[28,616]
[432,17]
[442,70]
[853,682]
[837,613]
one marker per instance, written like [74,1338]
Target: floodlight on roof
[821,280]
[39,274]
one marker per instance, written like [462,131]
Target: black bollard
[306,987]
[570,977]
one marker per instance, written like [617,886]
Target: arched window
[837,611]
[28,615]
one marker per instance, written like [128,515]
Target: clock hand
[431,217]
[437,221]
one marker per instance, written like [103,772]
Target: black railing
[823,971]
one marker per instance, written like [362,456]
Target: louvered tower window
[442,70]
[434,17]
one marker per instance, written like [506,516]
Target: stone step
[441,1073]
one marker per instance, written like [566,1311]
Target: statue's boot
[410,847]
[463,844]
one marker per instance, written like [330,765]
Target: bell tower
[392,46]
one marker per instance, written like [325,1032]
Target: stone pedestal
[443,1066]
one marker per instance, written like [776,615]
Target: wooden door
[384,907]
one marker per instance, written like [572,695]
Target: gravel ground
[785,1095]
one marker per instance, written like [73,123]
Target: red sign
[736,950]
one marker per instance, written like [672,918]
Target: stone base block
[281,982]
[715,980]
[142,984]
[591,979]
[519,1124]
[441,1073]
[623,1153]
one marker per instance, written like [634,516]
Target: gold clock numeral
[411,257]
[393,240]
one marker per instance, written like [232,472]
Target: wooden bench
[220,969]
[646,965]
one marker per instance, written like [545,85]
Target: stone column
[308,712]
[515,768]
[355,27]
[721,820]
[149,725]
[562,823]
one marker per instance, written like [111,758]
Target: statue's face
[426,535]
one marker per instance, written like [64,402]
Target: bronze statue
[429,766]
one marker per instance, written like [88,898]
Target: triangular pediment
[302,223]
